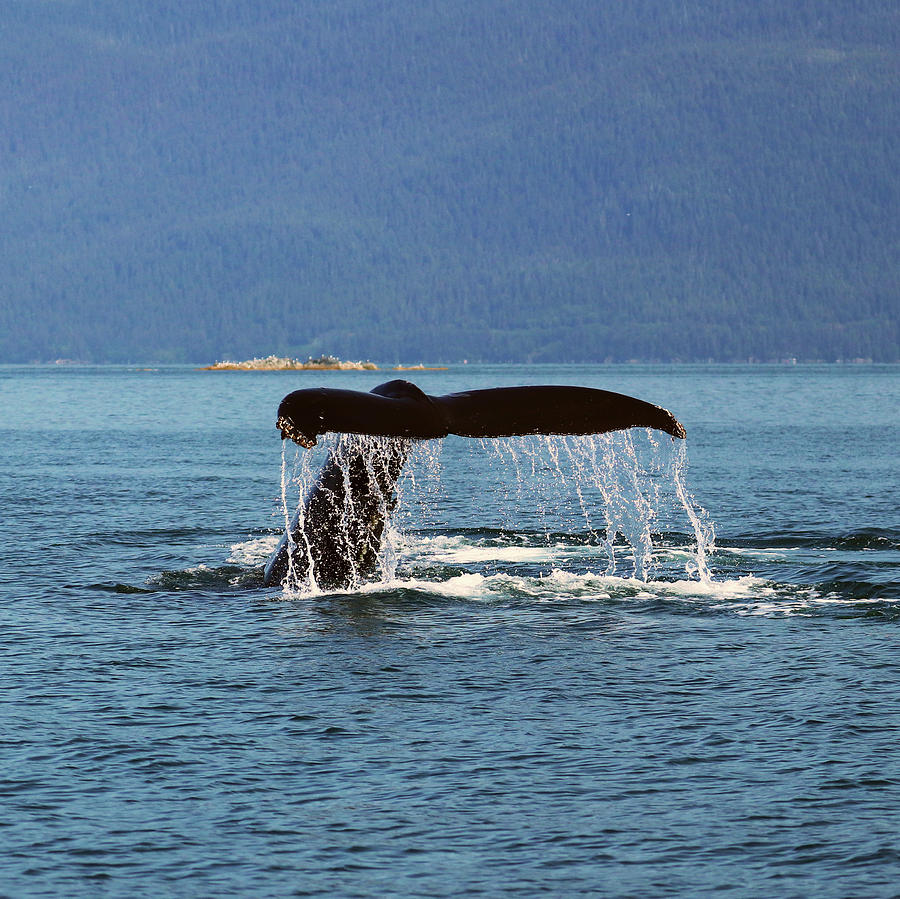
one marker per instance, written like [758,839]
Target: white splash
[252,552]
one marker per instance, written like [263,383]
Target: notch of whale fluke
[335,537]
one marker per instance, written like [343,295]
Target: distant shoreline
[155,365]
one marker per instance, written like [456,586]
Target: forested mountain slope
[413,179]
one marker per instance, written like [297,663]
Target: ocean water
[588,666]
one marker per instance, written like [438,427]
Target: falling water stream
[618,491]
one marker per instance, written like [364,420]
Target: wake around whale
[336,534]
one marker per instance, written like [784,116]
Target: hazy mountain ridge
[500,181]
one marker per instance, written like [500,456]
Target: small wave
[555,586]
[254,551]
[750,553]
[458,550]
[560,585]
[742,596]
[118,588]
[863,538]
[221,578]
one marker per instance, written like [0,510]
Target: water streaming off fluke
[595,503]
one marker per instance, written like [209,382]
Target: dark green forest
[408,180]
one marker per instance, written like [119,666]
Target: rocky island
[284,363]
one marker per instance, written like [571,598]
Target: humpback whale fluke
[400,409]
[337,532]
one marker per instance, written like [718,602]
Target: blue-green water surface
[526,703]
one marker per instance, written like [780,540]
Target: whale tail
[400,409]
[336,536]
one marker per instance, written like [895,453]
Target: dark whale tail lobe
[336,535]
[511,411]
